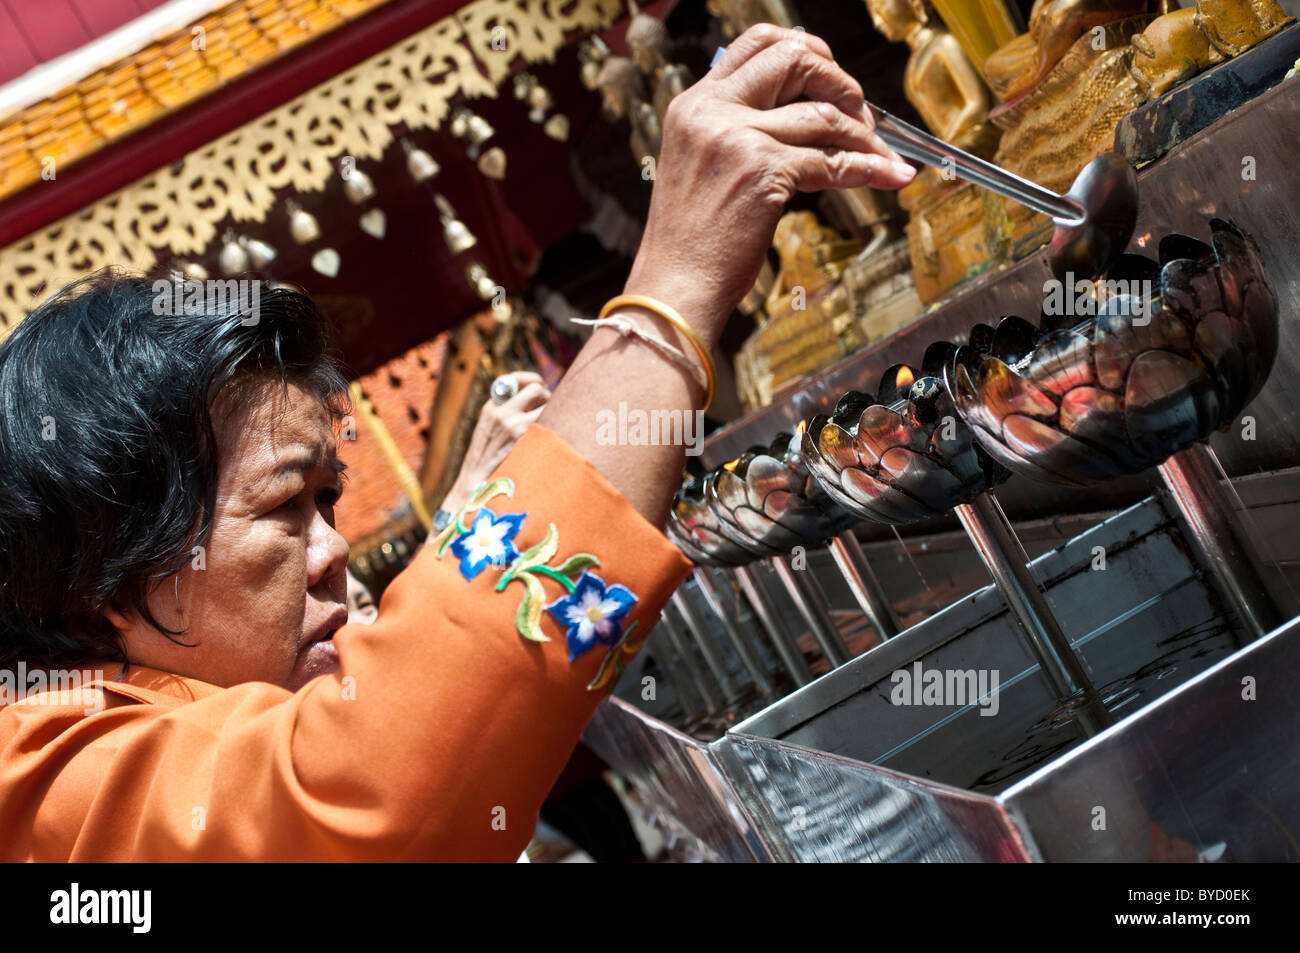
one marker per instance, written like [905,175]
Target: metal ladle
[1094,219]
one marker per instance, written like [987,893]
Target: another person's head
[167,483]
[361,602]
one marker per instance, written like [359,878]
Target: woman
[168,485]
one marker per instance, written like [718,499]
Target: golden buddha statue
[650,45]
[623,97]
[619,82]
[944,86]
[1184,42]
[1172,49]
[737,16]
[940,81]
[809,322]
[1054,26]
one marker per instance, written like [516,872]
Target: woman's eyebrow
[304,461]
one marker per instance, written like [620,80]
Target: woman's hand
[736,148]
[499,428]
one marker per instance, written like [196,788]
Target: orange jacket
[439,738]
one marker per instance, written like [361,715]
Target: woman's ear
[118,615]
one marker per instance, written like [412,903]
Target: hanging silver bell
[358,187]
[193,271]
[421,166]
[457,234]
[479,132]
[302,225]
[541,100]
[260,254]
[481,281]
[233,259]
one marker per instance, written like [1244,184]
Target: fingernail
[903,169]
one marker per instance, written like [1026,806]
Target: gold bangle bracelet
[654,306]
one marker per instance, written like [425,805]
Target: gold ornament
[557,127]
[493,163]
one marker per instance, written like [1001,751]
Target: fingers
[817,169]
[819,125]
[523,378]
[758,38]
[787,70]
[531,396]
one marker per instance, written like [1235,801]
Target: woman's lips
[338,618]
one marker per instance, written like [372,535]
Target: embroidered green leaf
[539,554]
[457,527]
[614,664]
[498,487]
[576,563]
[528,618]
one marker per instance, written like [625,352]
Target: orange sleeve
[439,738]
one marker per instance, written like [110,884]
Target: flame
[803,425]
[905,377]
[731,465]
[1142,242]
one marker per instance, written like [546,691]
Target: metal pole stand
[782,640]
[749,656]
[993,540]
[1220,540]
[811,603]
[704,642]
[862,581]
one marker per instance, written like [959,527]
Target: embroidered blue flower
[488,541]
[592,613]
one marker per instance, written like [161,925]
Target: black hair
[108,454]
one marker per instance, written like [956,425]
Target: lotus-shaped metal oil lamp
[903,455]
[694,528]
[767,499]
[1177,349]
[1088,399]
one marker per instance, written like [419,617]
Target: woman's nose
[327,554]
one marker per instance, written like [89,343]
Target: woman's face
[266,594]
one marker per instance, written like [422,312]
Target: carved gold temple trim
[292,146]
[172,72]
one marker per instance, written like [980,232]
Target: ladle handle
[908,141]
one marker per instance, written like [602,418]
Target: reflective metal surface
[1147,377]
[678,775]
[901,455]
[1230,556]
[1211,769]
[1094,219]
[987,528]
[1200,179]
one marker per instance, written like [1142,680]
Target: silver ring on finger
[504,388]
